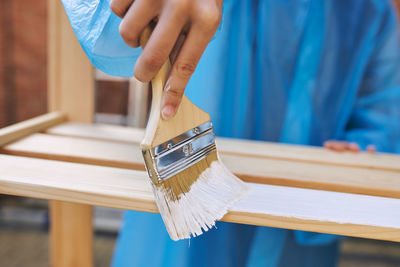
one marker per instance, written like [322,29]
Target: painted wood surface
[267,205]
[258,169]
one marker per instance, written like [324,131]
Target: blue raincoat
[294,71]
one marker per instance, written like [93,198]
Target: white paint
[207,201]
[321,205]
[129,189]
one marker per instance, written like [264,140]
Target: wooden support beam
[16,131]
[67,228]
[266,170]
[70,86]
[267,205]
[70,89]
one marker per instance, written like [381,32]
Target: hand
[183,31]
[346,146]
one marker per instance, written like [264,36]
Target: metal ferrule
[179,153]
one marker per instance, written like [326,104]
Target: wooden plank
[251,169]
[241,147]
[380,161]
[16,131]
[267,205]
[99,131]
[78,150]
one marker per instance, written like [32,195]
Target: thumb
[171,99]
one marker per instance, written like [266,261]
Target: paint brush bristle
[191,201]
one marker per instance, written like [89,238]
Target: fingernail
[167,85]
[167,112]
[354,147]
[371,149]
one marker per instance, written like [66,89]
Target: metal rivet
[169,146]
[196,130]
[187,149]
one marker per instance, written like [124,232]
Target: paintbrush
[191,185]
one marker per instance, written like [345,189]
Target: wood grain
[242,147]
[70,89]
[99,131]
[251,169]
[267,205]
[78,150]
[71,223]
[70,85]
[25,128]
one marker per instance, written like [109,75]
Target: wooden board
[251,169]
[267,205]
[98,131]
[25,128]
[78,150]
[241,147]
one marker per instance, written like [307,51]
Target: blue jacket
[294,71]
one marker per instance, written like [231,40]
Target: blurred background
[24,221]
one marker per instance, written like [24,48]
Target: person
[296,71]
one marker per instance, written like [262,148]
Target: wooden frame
[114,146]
[71,90]
[272,164]
[294,187]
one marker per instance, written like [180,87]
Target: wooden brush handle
[158,82]
[187,117]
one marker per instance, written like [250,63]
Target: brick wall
[23,48]
[30,50]
[2,109]
[112,97]
[23,34]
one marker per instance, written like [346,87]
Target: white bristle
[208,200]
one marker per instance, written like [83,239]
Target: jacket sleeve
[375,118]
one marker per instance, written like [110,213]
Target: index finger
[160,44]
[195,43]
